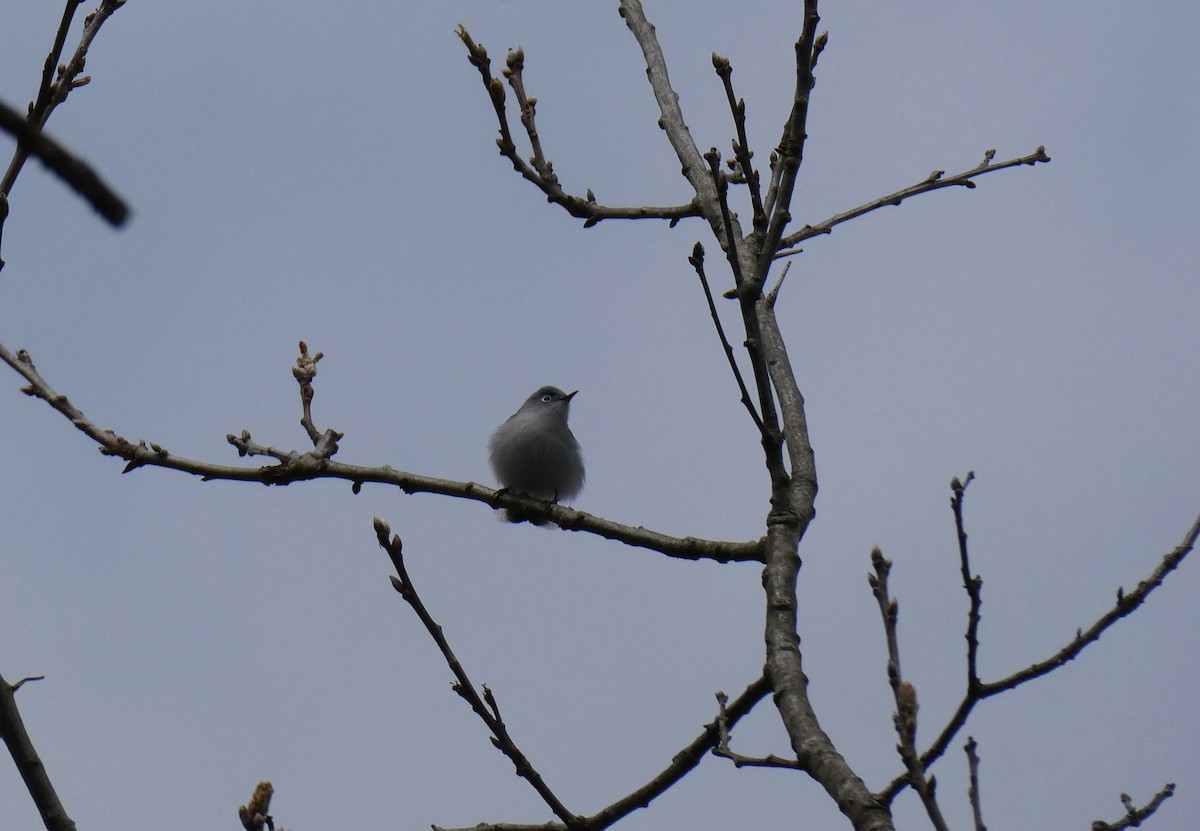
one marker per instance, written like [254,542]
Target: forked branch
[539,170]
[978,690]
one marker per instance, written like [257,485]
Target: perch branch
[297,467]
[934,181]
[29,764]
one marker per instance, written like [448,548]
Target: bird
[535,453]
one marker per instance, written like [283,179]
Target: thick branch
[68,167]
[671,117]
[682,763]
[29,764]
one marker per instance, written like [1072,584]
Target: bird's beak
[570,395]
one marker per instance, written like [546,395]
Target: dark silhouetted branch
[973,787]
[29,764]
[1126,603]
[1134,816]
[484,705]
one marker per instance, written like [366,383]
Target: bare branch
[1125,605]
[682,763]
[742,153]
[541,172]
[53,93]
[1135,816]
[972,583]
[973,787]
[490,715]
[671,118]
[68,167]
[29,764]
[905,694]
[722,749]
[934,181]
[697,261]
[685,760]
[298,467]
[790,152]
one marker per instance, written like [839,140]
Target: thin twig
[53,93]
[973,786]
[29,764]
[1135,816]
[697,261]
[739,761]
[972,583]
[463,685]
[1126,603]
[541,173]
[742,153]
[299,467]
[934,181]
[790,151]
[682,763]
[905,694]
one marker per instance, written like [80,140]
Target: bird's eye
[547,398]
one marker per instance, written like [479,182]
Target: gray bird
[534,452]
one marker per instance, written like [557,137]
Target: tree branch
[682,763]
[77,174]
[904,693]
[973,787]
[29,764]
[298,467]
[51,93]
[671,119]
[541,171]
[934,181]
[1135,816]
[1125,605]
[697,261]
[484,706]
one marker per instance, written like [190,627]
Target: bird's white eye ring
[547,398]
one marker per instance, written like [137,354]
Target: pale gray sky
[329,172]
